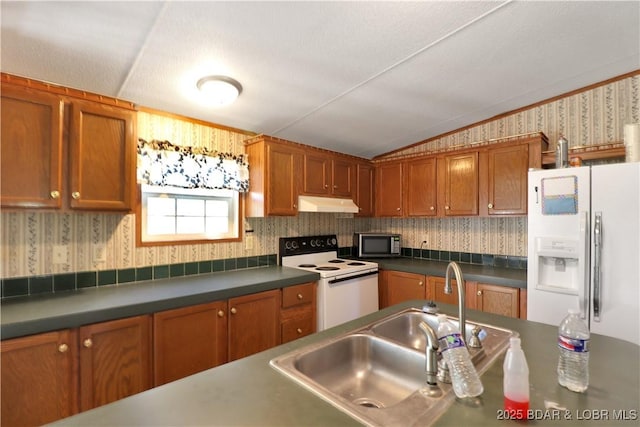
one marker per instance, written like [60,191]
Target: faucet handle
[474,341]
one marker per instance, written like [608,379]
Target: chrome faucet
[431,364]
[462,317]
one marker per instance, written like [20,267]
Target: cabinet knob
[220,313]
[295,206]
[432,208]
[75,195]
[420,283]
[233,310]
[446,208]
[87,343]
[335,186]
[479,293]
[490,205]
[398,209]
[326,186]
[63,348]
[299,296]
[55,194]
[299,330]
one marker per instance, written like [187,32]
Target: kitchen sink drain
[368,403]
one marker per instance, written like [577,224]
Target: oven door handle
[355,276]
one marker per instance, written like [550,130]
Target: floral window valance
[165,164]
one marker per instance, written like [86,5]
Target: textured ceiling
[362,78]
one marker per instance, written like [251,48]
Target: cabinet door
[497,300]
[115,360]
[389,194]
[283,166]
[507,181]
[31,147]
[421,187]
[364,189]
[461,185]
[189,340]
[342,176]
[316,174]
[102,157]
[254,323]
[403,286]
[437,293]
[38,380]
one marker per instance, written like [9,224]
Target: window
[172,214]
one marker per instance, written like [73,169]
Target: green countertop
[249,392]
[36,314]
[511,277]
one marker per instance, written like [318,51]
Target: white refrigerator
[584,247]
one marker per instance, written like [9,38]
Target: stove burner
[356,263]
[327,268]
[307,265]
[337,261]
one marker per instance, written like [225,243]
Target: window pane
[161,205]
[190,225]
[190,207]
[161,225]
[217,208]
[217,226]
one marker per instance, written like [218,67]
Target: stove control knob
[320,243]
[294,245]
[287,245]
[313,243]
[332,241]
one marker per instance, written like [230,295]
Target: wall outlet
[248,241]
[60,254]
[100,252]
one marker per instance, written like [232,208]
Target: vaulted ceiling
[362,78]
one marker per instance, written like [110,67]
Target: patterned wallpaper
[28,239]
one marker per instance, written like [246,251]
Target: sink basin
[376,373]
[364,369]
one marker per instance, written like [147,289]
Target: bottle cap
[442,318]
[574,311]
[514,342]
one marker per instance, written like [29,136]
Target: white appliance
[347,289]
[584,247]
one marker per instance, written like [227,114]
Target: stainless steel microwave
[376,245]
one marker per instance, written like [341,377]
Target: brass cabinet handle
[299,296]
[432,208]
[75,195]
[446,208]
[55,194]
[220,313]
[233,310]
[326,186]
[63,348]
[87,343]
[397,209]
[335,186]
[299,330]
[420,283]
[295,206]
[490,205]
[479,293]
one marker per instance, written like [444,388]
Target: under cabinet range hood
[326,204]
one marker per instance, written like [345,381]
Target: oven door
[345,298]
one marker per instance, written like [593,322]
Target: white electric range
[347,288]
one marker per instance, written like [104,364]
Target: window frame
[139,218]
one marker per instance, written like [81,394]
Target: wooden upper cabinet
[39,381]
[115,360]
[389,189]
[507,180]
[421,187]
[102,157]
[461,184]
[189,340]
[364,189]
[32,149]
[325,175]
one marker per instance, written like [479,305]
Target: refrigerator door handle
[583,265]
[597,263]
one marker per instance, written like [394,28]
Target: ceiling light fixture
[219,90]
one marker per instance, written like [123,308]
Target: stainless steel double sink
[376,373]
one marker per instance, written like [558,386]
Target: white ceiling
[362,78]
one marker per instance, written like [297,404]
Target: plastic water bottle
[573,362]
[516,381]
[464,377]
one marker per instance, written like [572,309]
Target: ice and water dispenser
[558,265]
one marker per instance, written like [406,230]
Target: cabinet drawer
[297,328]
[296,295]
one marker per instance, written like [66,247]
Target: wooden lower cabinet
[189,340]
[435,286]
[115,360]
[38,378]
[398,286]
[254,323]
[501,300]
[298,313]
